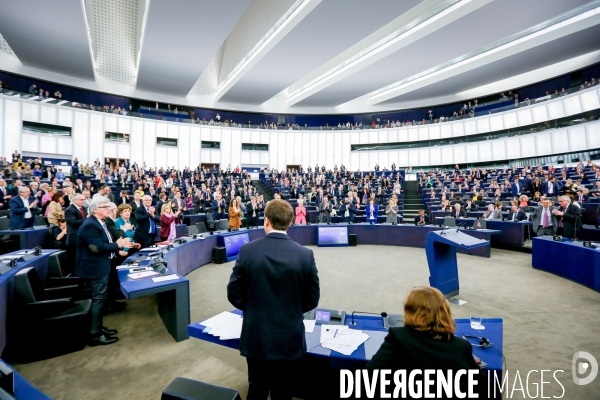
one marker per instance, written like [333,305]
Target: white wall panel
[435,156]
[483,125]
[458,129]
[149,144]
[499,149]
[305,149]
[373,136]
[65,117]
[255,137]
[247,137]
[472,150]
[383,136]
[543,143]
[510,120]
[110,124]
[402,135]
[226,148]
[264,158]
[560,141]
[97,137]
[496,123]
[470,127]
[513,148]
[364,137]
[577,138]
[345,150]
[205,135]
[373,159]
[524,116]
[64,145]
[338,148]
[162,130]
[215,157]
[215,136]
[195,147]
[124,125]
[354,161]
[236,147]
[124,151]
[485,151]
[295,147]
[589,100]
[459,154]
[364,161]
[265,137]
[572,105]
[31,112]
[434,132]
[528,148]
[273,148]
[424,156]
[555,110]
[110,149]
[281,153]
[423,133]
[314,149]
[80,134]
[593,135]
[355,137]
[540,113]
[184,146]
[393,136]
[323,149]
[393,158]
[330,150]
[161,156]
[255,158]
[446,131]
[48,115]
[246,157]
[403,161]
[7,154]
[136,141]
[413,134]
[173,157]
[173,131]
[30,142]
[413,157]
[384,159]
[447,155]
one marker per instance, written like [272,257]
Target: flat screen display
[323,316]
[233,243]
[332,236]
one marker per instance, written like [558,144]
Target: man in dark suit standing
[95,250]
[22,209]
[252,212]
[274,281]
[135,204]
[550,188]
[75,214]
[516,214]
[569,218]
[544,221]
[147,222]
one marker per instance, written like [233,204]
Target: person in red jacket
[167,222]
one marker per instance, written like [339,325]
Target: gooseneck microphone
[383,314]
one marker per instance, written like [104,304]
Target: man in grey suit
[492,213]
[544,222]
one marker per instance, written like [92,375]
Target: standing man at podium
[274,281]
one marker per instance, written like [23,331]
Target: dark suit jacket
[254,221]
[571,221]
[425,218]
[133,208]
[274,281]
[521,216]
[93,250]
[142,233]
[461,214]
[18,211]
[545,188]
[473,207]
[74,221]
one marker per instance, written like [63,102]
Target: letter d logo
[582,367]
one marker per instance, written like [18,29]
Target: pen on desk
[335,333]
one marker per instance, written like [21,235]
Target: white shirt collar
[276,231]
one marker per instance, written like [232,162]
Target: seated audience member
[470,207]
[218,207]
[22,209]
[582,195]
[391,212]
[523,201]
[59,234]
[516,214]
[421,219]
[348,210]
[458,212]
[426,341]
[167,222]
[537,197]
[300,213]
[235,213]
[123,223]
[54,211]
[371,212]
[492,213]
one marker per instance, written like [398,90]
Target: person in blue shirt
[37,171]
[372,210]
[60,175]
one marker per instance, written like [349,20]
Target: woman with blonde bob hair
[426,341]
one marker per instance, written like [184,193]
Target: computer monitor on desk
[232,243]
[332,236]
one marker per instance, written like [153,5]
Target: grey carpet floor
[546,320]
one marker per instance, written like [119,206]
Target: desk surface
[134,288]
[29,238]
[369,324]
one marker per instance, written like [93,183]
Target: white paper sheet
[171,277]
[309,325]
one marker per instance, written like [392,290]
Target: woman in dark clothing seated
[59,234]
[426,341]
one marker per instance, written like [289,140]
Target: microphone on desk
[383,314]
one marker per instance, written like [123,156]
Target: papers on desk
[309,325]
[171,277]
[120,267]
[226,325]
[157,248]
[341,338]
[141,275]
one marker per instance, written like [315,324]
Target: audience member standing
[22,209]
[147,222]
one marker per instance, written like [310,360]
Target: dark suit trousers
[99,288]
[274,377]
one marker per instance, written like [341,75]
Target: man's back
[274,282]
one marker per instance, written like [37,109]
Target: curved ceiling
[299,56]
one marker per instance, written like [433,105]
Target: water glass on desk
[476,322]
